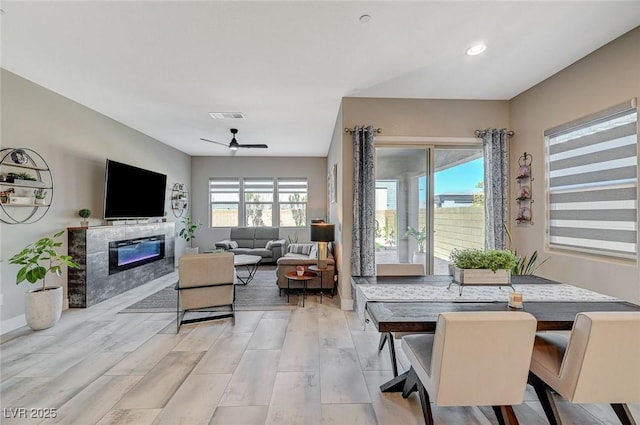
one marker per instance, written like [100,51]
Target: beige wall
[607,77]
[403,118]
[314,168]
[75,141]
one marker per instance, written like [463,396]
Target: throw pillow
[233,245]
[268,245]
[314,251]
[300,248]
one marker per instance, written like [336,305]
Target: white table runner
[418,292]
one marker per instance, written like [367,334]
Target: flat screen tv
[132,192]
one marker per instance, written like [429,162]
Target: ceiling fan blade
[259,146]
[217,143]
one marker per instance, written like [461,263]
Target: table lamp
[323,233]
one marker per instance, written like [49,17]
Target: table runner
[416,292]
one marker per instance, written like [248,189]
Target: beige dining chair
[472,359]
[396,269]
[598,363]
[205,281]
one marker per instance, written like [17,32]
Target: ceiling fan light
[233,145]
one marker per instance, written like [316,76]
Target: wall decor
[179,199]
[524,179]
[332,180]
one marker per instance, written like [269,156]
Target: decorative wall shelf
[179,199]
[525,198]
[18,203]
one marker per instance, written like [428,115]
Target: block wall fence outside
[458,227]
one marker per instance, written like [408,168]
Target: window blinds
[592,184]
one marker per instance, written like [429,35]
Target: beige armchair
[598,363]
[205,281]
[473,359]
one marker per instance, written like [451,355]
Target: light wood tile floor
[312,365]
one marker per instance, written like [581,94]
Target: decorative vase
[419,257]
[191,251]
[299,273]
[43,308]
[84,223]
[39,201]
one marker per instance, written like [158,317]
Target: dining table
[393,306]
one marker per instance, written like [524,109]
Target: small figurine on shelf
[524,215]
[85,213]
[4,195]
[524,193]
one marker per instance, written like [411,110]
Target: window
[592,169]
[258,202]
[225,202]
[292,202]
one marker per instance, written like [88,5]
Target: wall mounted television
[132,192]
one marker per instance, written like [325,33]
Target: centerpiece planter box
[482,276]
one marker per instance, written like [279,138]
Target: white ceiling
[160,67]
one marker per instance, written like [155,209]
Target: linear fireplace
[129,253]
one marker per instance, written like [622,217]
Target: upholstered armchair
[473,359]
[205,281]
[598,363]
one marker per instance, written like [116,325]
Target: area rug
[260,294]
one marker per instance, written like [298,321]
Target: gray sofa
[262,241]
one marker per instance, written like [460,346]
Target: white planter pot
[419,257]
[43,308]
[482,276]
[191,251]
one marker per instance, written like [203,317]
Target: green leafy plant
[24,176]
[419,235]
[40,258]
[293,239]
[39,193]
[493,259]
[85,213]
[188,231]
[525,264]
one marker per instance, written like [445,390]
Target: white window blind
[224,196]
[592,168]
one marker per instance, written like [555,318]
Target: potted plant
[419,256]
[43,305]
[300,270]
[475,266]
[39,195]
[85,213]
[188,233]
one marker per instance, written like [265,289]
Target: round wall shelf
[26,186]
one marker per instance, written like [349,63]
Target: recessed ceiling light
[227,115]
[476,49]
[364,19]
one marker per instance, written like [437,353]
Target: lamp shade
[323,232]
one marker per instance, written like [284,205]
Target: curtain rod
[352,130]
[480,133]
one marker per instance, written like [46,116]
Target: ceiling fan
[234,145]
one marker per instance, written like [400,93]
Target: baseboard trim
[12,324]
[346,304]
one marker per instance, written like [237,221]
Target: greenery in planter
[189,229]
[23,176]
[39,193]
[85,213]
[493,259]
[419,235]
[40,258]
[525,265]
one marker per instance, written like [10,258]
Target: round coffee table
[304,279]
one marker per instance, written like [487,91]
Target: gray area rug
[260,294]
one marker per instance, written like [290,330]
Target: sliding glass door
[429,201]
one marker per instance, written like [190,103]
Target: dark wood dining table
[422,316]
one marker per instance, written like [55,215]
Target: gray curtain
[363,262]
[496,186]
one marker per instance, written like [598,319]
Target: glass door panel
[458,204]
[402,192]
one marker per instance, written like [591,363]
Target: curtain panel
[496,186]
[364,187]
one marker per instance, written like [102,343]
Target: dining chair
[396,269]
[472,359]
[598,363]
[205,281]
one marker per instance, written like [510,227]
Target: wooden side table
[304,279]
[315,268]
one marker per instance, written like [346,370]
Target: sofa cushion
[233,244]
[263,252]
[268,245]
[239,251]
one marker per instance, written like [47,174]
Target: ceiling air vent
[227,115]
